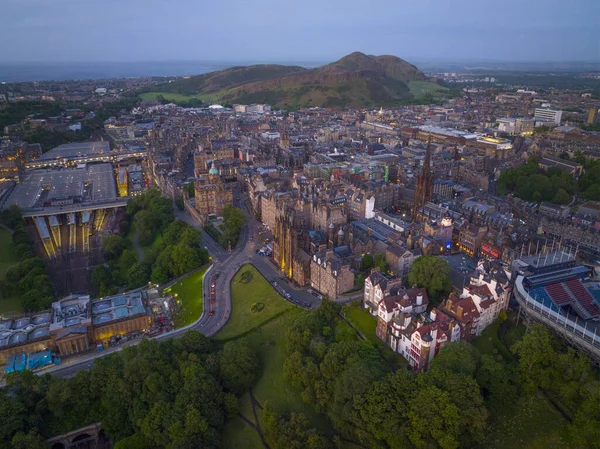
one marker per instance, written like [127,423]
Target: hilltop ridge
[355,80]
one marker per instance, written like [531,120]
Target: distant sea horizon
[15,72]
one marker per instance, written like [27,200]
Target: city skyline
[268,31]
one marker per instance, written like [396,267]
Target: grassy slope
[12,305]
[267,340]
[356,93]
[533,423]
[366,324]
[243,296]
[420,88]
[151,96]
[189,292]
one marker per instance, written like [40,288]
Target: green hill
[356,80]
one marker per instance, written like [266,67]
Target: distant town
[432,223]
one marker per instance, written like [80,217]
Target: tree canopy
[168,395]
[433,274]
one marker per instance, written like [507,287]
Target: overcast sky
[305,30]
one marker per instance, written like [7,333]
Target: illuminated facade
[211,196]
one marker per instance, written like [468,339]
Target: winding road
[225,265]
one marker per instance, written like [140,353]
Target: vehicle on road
[211,313]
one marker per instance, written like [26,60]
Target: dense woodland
[28,278]
[172,247]
[175,394]
[531,183]
[450,406]
[178,394]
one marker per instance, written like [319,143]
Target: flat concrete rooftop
[39,187]
[71,150]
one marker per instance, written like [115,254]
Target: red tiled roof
[479,290]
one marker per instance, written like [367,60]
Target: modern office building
[548,114]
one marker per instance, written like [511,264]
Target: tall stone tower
[424,185]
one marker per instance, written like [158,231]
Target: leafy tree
[138,274]
[537,357]
[160,274]
[34,300]
[433,420]
[294,432]
[239,366]
[24,251]
[31,440]
[367,263]
[135,441]
[495,379]
[585,429]
[20,236]
[359,281]
[380,262]
[465,394]
[127,260]
[173,231]
[561,197]
[380,412]
[456,357]
[190,236]
[113,245]
[433,274]
[592,192]
[11,216]
[101,275]
[189,188]
[184,259]
[233,220]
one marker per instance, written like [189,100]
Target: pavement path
[137,246]
[6,227]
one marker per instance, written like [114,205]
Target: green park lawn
[11,305]
[362,320]
[152,96]
[422,88]
[264,332]
[268,341]
[238,434]
[366,323]
[189,293]
[243,296]
[533,423]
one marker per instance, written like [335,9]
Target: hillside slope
[228,78]
[356,80]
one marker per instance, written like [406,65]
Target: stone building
[470,237]
[464,311]
[377,286]
[270,203]
[324,214]
[290,242]
[75,324]
[211,196]
[330,274]
[400,259]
